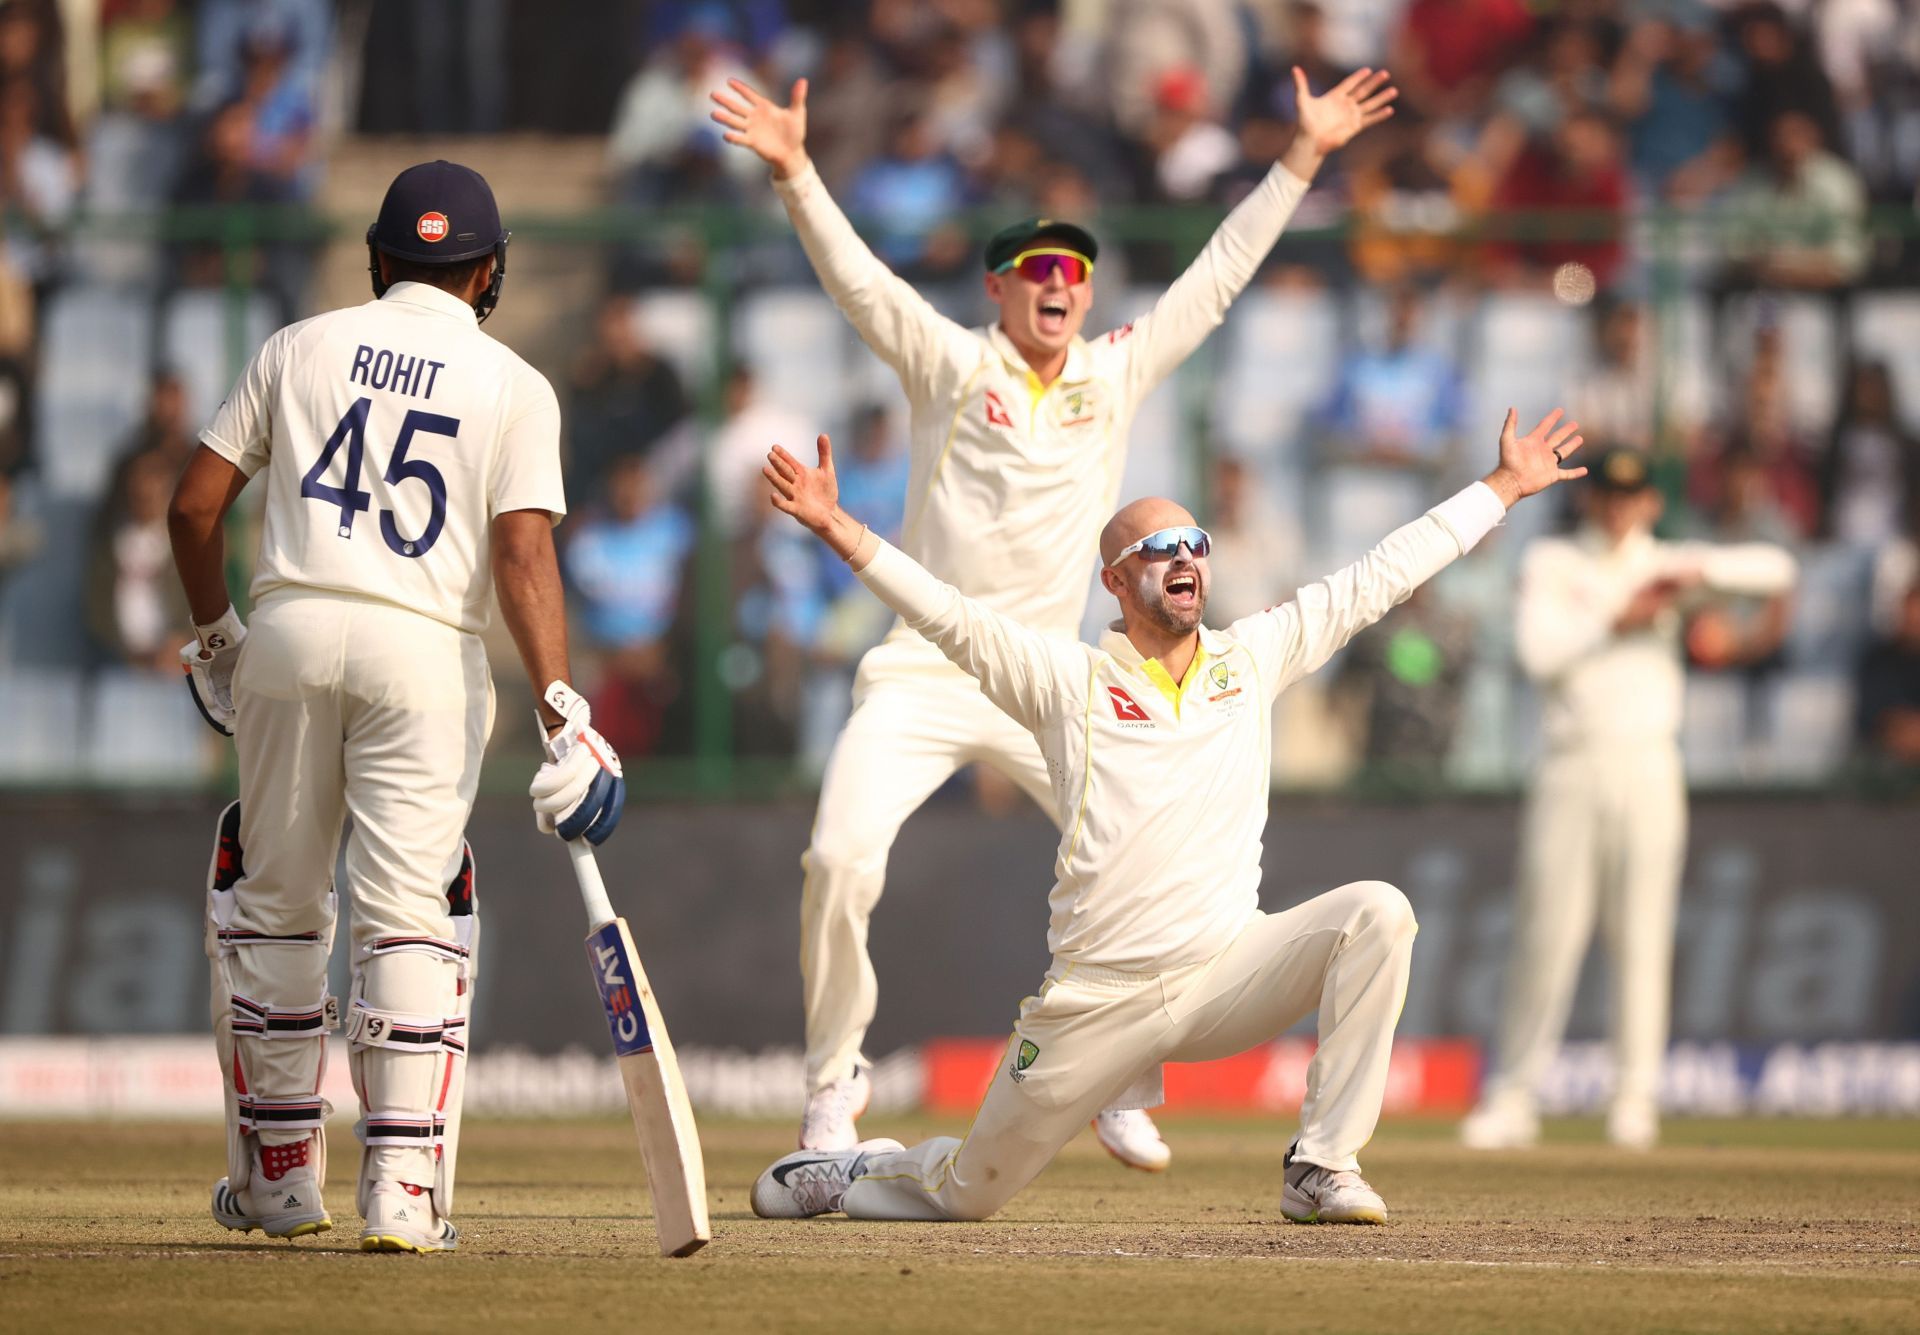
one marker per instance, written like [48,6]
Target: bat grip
[593,890]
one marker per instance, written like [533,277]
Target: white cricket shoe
[401,1218]
[1501,1124]
[1633,1125]
[811,1182]
[287,1205]
[1130,1136]
[827,1121]
[1316,1195]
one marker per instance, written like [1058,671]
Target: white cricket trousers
[1604,834]
[1093,1031]
[905,737]
[349,706]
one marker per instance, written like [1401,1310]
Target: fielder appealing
[407,457]
[1018,437]
[1598,627]
[1156,743]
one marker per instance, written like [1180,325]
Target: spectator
[1870,472]
[135,607]
[31,58]
[910,194]
[1782,75]
[625,567]
[1412,673]
[1888,692]
[1396,411]
[280,146]
[1533,100]
[846,119]
[1579,171]
[1614,401]
[39,182]
[146,59]
[1150,38]
[162,433]
[1799,218]
[823,620]
[1256,553]
[627,399]
[1062,125]
[1672,87]
[225,28]
[1405,205]
[663,146]
[1765,435]
[1190,147]
[1446,54]
[754,422]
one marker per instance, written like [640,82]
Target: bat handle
[593,890]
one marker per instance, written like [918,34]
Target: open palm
[1533,462]
[1344,110]
[753,120]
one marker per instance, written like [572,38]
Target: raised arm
[901,327]
[1023,672]
[1297,638]
[1197,302]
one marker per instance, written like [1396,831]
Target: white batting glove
[580,790]
[208,662]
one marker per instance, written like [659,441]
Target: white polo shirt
[1161,787]
[1010,481]
[392,433]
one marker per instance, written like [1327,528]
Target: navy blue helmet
[440,213]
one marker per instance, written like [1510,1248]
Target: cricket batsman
[412,464]
[1018,440]
[1157,744]
[1598,626]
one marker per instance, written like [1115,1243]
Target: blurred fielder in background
[1605,827]
[1018,439]
[1157,744]
[408,456]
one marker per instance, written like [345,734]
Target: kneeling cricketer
[1156,743]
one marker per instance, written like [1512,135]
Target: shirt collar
[1076,370]
[428,297]
[1115,644]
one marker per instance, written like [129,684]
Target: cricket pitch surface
[1747,1226]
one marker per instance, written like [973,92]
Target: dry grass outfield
[1747,1227]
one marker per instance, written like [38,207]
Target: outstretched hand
[1330,121]
[812,496]
[1531,463]
[753,120]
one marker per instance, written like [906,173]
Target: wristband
[221,633]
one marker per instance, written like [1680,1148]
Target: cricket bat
[656,1096]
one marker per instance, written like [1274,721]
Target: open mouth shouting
[1050,317]
[1182,590]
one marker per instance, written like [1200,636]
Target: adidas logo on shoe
[291,1203]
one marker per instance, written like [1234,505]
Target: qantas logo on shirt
[1125,708]
[997,411]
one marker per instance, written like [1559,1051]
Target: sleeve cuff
[1470,514]
[232,454]
[794,188]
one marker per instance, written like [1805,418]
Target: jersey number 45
[352,432]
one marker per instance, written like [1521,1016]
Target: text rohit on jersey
[379,368]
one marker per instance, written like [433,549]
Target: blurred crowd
[1748,153]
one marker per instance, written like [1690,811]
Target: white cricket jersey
[395,432]
[1601,686]
[1161,787]
[1010,481]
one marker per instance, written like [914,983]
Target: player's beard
[1170,619]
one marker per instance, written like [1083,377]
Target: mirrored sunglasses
[1165,544]
[1035,265]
